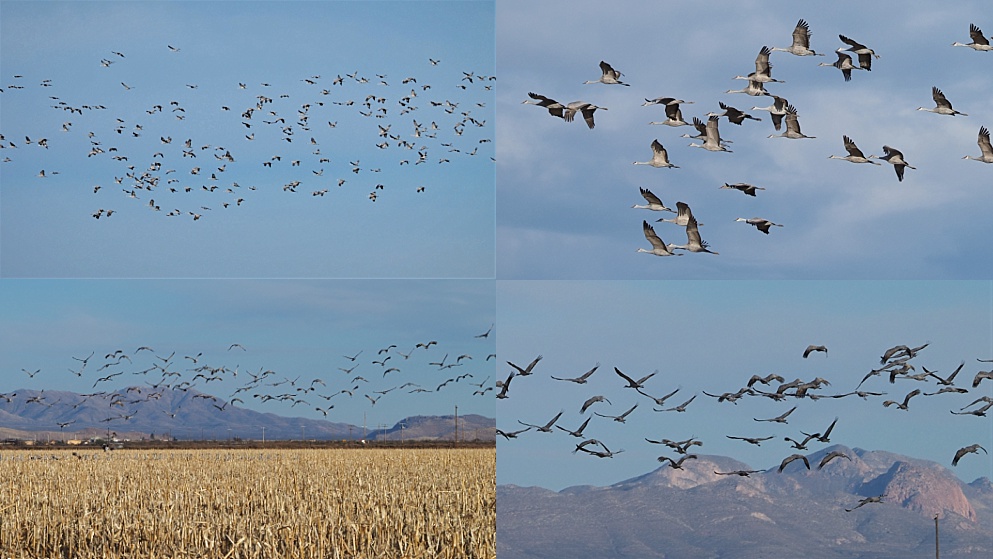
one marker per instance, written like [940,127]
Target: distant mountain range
[189,414]
[694,512]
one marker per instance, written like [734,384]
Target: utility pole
[363,427]
[936,551]
[263,434]
[456,424]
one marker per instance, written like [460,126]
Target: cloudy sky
[565,192]
[713,336]
[297,328]
[58,55]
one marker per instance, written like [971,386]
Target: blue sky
[447,230]
[713,336]
[564,192]
[296,328]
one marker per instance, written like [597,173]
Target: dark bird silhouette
[831,456]
[757,441]
[742,473]
[813,348]
[966,450]
[631,383]
[582,378]
[511,434]
[547,428]
[526,370]
[619,418]
[791,458]
[779,419]
[677,464]
[866,501]
[592,400]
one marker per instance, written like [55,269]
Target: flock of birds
[124,380]
[898,365]
[404,120]
[781,110]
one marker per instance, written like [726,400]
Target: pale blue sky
[564,192]
[295,327]
[445,231]
[713,336]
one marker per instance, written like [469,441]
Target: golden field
[314,503]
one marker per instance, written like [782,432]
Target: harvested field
[321,503]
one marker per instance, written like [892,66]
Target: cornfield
[244,503]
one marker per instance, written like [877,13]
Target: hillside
[189,414]
[695,512]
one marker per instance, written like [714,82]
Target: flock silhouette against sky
[323,141]
[771,375]
[332,350]
[826,218]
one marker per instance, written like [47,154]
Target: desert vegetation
[313,503]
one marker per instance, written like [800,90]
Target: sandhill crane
[608,75]
[801,445]
[757,441]
[554,107]
[674,116]
[984,147]
[527,370]
[743,473]
[791,458]
[906,400]
[942,105]
[867,500]
[619,418]
[582,446]
[763,70]
[505,386]
[677,464]
[660,157]
[894,158]
[680,407]
[693,241]
[754,88]
[780,418]
[587,109]
[855,155]
[979,42]
[825,437]
[592,400]
[792,126]
[631,383]
[658,401]
[659,247]
[546,428]
[777,110]
[765,380]
[683,215]
[734,115]
[951,378]
[582,378]
[812,348]
[980,376]
[831,456]
[761,224]
[667,101]
[844,63]
[511,434]
[578,432]
[713,137]
[865,53]
[654,203]
[801,41]
[748,189]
